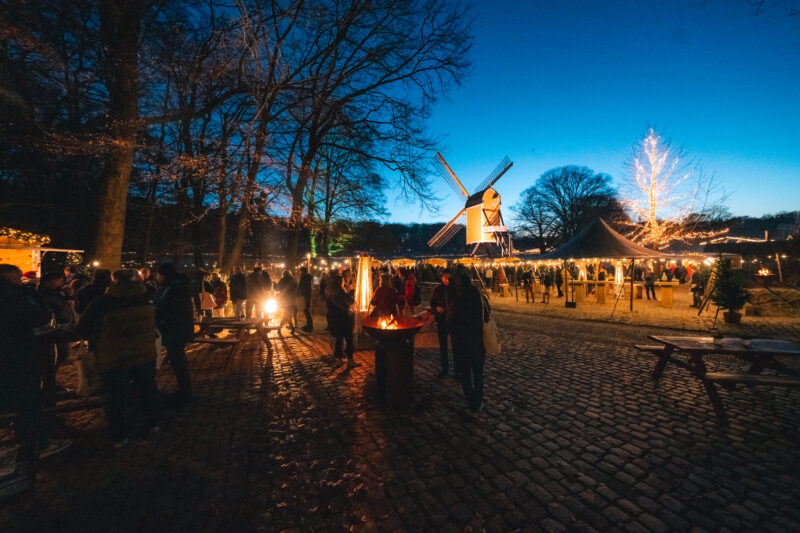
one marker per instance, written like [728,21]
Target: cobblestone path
[574,437]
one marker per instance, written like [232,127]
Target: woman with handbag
[467,314]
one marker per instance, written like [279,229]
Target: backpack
[417,295]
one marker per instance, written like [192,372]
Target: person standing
[101,279]
[256,291]
[467,313]
[238,292]
[384,299]
[341,319]
[650,283]
[287,291]
[121,329]
[175,321]
[220,292]
[443,294]
[149,282]
[559,280]
[304,292]
[22,310]
[410,289]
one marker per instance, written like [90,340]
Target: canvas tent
[598,240]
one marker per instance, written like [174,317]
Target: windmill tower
[485,227]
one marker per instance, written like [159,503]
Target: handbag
[490,341]
[88,378]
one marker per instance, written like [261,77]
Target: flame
[270,306]
[391,323]
[764,272]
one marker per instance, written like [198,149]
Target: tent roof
[598,239]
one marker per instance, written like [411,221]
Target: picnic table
[761,355]
[240,327]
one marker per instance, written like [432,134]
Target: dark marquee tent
[598,240]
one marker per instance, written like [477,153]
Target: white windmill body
[485,228]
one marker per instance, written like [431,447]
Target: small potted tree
[729,293]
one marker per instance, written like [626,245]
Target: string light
[27,237]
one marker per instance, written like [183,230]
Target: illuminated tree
[668,195]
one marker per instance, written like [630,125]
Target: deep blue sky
[578,81]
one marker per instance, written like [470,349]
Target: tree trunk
[120,25]
[249,189]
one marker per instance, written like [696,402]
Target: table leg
[711,388]
[264,337]
[662,362]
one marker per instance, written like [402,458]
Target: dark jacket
[21,310]
[89,293]
[238,287]
[220,292]
[385,301]
[174,316]
[465,316]
[56,302]
[304,286]
[256,287]
[287,290]
[121,327]
[341,318]
[442,296]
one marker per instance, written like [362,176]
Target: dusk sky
[578,82]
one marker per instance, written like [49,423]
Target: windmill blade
[447,232]
[449,176]
[498,171]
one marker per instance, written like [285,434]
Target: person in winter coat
[257,289]
[384,298]
[101,279]
[238,292]
[304,292]
[22,310]
[443,294]
[341,319]
[175,321]
[409,290]
[466,314]
[220,292]
[650,283]
[121,329]
[287,290]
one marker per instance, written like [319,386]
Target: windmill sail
[448,175]
[495,175]
[447,232]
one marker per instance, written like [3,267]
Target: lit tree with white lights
[668,195]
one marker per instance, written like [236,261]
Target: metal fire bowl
[407,327]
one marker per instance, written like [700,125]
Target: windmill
[482,208]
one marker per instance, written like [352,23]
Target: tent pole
[633,273]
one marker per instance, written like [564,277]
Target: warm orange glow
[363,283]
[764,272]
[390,323]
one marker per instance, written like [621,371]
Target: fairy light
[27,237]
[665,195]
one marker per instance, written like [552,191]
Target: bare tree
[667,193]
[534,218]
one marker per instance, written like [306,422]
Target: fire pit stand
[394,359]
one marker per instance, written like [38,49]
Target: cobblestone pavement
[651,314]
[574,437]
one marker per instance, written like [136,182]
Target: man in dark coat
[238,292]
[21,310]
[175,321]
[466,315]
[341,318]
[443,294]
[256,291]
[304,292]
[121,329]
[101,279]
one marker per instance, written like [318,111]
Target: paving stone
[574,437]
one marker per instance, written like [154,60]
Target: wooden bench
[732,378]
[209,340]
[655,350]
[664,356]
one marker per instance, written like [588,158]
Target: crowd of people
[121,320]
